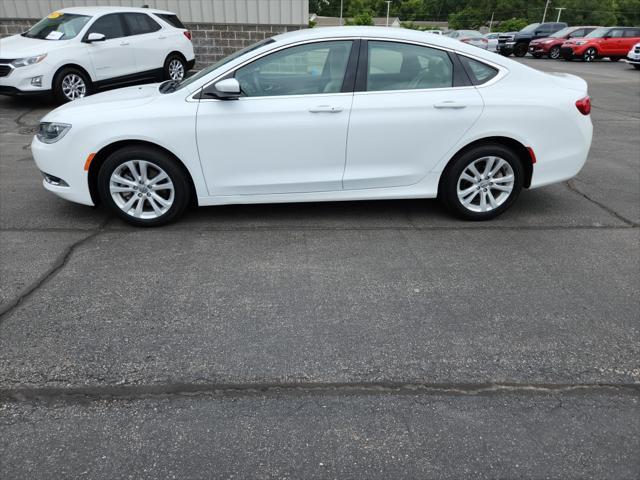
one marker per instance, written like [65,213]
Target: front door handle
[325,109]
[450,104]
[124,44]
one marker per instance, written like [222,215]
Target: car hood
[119,99]
[18,46]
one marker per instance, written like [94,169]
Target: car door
[147,40]
[113,57]
[288,131]
[406,115]
[612,43]
[630,38]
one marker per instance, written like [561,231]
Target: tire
[554,53]
[537,55]
[520,49]
[175,67]
[637,67]
[455,180]
[590,54]
[71,84]
[132,196]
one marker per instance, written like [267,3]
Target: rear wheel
[143,186]
[175,67]
[554,53]
[520,50]
[482,183]
[590,54]
[71,84]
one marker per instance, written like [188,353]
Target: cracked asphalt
[336,340]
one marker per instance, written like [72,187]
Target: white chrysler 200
[325,114]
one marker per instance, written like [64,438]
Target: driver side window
[303,70]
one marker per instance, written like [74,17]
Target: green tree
[363,18]
[513,24]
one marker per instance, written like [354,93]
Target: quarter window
[302,70]
[140,23]
[402,66]
[632,32]
[479,72]
[109,25]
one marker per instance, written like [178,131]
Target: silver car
[472,37]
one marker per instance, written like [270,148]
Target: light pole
[491,21]
[388,6]
[559,12]
[341,3]
[544,15]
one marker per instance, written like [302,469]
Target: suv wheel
[175,68]
[482,183]
[520,50]
[590,54]
[143,186]
[554,53]
[71,84]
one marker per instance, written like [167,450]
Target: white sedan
[346,113]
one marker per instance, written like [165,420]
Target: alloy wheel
[485,184]
[73,86]
[554,53]
[141,189]
[590,55]
[176,69]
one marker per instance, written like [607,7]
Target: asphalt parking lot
[339,340]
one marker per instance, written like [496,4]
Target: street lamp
[559,12]
[388,6]
[544,15]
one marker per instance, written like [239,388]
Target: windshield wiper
[169,86]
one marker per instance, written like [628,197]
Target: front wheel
[590,54]
[71,84]
[520,50]
[143,186]
[554,53]
[482,183]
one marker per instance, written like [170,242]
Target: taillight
[584,105]
[187,34]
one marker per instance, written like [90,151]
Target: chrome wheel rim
[485,184]
[176,70]
[73,86]
[142,189]
[590,55]
[555,53]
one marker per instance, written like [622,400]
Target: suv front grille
[5,70]
[505,38]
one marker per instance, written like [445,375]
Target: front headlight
[580,43]
[51,132]
[23,62]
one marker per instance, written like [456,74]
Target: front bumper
[506,48]
[567,53]
[63,161]
[20,81]
[633,58]
[538,49]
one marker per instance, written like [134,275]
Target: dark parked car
[518,44]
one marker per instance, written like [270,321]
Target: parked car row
[77,51]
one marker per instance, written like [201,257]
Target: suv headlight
[51,132]
[23,62]
[580,43]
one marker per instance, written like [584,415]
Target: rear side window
[110,26]
[632,32]
[172,20]
[140,23]
[479,72]
[403,66]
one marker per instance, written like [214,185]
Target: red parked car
[612,42]
[550,45]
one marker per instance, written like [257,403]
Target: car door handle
[325,109]
[124,44]
[450,104]
[162,37]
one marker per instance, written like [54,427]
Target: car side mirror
[227,89]
[95,37]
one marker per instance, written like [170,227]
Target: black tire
[157,158]
[590,54]
[69,74]
[554,53]
[637,67]
[449,183]
[504,54]
[520,49]
[168,69]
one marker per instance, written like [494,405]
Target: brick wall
[211,41]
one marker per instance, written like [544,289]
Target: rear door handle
[325,109]
[450,104]
[162,37]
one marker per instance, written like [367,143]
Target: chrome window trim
[502,71]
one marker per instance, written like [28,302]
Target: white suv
[77,51]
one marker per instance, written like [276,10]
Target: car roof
[93,11]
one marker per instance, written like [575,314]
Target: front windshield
[562,33]
[58,26]
[530,28]
[225,60]
[598,32]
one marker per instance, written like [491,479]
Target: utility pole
[388,6]
[544,15]
[491,21]
[559,12]
[341,4]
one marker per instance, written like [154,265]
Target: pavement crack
[573,187]
[58,265]
[84,394]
